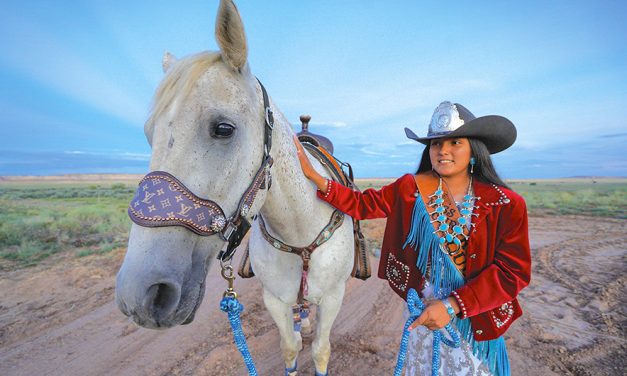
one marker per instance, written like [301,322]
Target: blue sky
[77,78]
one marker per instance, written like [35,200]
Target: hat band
[434,134]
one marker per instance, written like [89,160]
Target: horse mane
[179,81]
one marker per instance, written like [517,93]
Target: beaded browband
[162,200]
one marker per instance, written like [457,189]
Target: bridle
[162,200]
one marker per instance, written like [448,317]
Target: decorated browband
[162,200]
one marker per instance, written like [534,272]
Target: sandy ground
[59,318]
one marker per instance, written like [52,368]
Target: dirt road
[58,318]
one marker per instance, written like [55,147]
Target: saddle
[321,148]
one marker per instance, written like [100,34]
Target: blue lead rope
[233,308]
[416,306]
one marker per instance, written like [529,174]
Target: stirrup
[289,371]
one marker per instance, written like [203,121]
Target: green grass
[61,191]
[601,197]
[39,220]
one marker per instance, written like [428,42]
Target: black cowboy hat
[454,120]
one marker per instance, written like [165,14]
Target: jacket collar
[488,196]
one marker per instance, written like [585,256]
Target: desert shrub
[36,223]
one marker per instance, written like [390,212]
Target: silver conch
[445,119]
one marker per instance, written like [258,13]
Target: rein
[415,307]
[233,308]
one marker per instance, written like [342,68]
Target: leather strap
[237,226]
[337,218]
[427,183]
[269,121]
[327,161]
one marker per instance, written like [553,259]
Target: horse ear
[230,35]
[167,61]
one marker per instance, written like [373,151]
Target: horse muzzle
[162,280]
[161,305]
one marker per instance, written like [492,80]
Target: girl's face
[450,157]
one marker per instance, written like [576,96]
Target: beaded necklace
[449,235]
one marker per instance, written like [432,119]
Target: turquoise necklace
[450,234]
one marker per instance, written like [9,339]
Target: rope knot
[231,305]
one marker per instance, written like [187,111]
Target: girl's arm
[368,204]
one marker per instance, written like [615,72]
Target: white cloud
[334,124]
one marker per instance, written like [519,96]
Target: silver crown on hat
[445,120]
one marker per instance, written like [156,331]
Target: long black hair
[484,170]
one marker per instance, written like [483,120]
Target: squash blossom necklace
[450,234]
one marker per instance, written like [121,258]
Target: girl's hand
[308,170]
[434,316]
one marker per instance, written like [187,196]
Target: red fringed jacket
[498,259]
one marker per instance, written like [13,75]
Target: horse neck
[292,212]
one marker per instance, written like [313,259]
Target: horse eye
[223,130]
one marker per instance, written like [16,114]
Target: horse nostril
[122,306]
[162,299]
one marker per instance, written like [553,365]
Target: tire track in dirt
[596,289]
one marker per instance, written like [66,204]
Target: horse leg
[291,342]
[326,313]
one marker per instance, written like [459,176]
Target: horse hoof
[292,371]
[322,374]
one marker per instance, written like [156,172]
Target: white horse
[207,130]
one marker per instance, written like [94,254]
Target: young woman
[456,234]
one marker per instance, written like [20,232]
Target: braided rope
[416,306]
[233,309]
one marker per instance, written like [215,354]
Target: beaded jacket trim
[397,273]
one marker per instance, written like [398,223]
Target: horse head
[206,130]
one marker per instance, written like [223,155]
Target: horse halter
[162,200]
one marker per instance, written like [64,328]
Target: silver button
[479,332]
[473,256]
[416,194]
